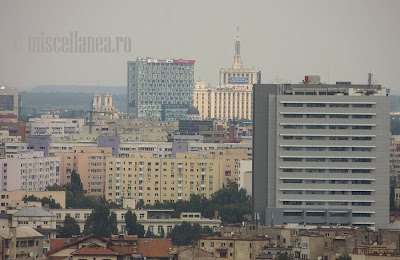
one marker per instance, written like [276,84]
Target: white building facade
[29,171]
[321,154]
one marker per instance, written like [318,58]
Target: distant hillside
[394,103]
[80,89]
[80,100]
[66,100]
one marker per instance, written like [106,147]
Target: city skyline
[339,41]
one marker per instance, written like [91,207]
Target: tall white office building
[321,154]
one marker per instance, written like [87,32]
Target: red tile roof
[94,249]
[73,242]
[56,243]
[155,247]
[123,250]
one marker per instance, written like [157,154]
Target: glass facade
[160,89]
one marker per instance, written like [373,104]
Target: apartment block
[160,89]
[161,179]
[57,128]
[229,162]
[17,129]
[29,171]
[90,163]
[321,154]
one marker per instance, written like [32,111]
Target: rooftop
[238,238]
[32,211]
[94,249]
[22,232]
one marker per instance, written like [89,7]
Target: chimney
[13,244]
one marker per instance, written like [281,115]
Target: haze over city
[285,40]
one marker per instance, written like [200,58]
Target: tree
[45,200]
[162,233]
[130,221]
[140,204]
[101,222]
[70,228]
[343,257]
[185,234]
[75,186]
[283,256]
[149,234]
[132,226]
[140,230]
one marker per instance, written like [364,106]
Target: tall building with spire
[237,76]
[232,98]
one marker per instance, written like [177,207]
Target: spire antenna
[237,62]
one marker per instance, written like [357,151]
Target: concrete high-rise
[160,89]
[10,104]
[321,154]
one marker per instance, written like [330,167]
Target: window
[338,116]
[293,105]
[293,116]
[315,214]
[315,116]
[292,214]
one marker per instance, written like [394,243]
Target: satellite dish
[30,254]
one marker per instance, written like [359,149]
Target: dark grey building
[321,154]
[160,89]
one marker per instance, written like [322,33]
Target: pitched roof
[124,250]
[32,211]
[73,242]
[22,231]
[155,247]
[94,249]
[56,243]
[196,252]
[394,225]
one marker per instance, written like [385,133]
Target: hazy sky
[338,40]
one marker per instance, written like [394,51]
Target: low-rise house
[234,247]
[36,218]
[190,253]
[119,247]
[269,252]
[94,251]
[309,245]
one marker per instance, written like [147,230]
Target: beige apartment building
[90,163]
[229,162]
[233,98]
[14,198]
[154,220]
[161,179]
[234,247]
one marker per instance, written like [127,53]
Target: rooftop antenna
[370,75]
